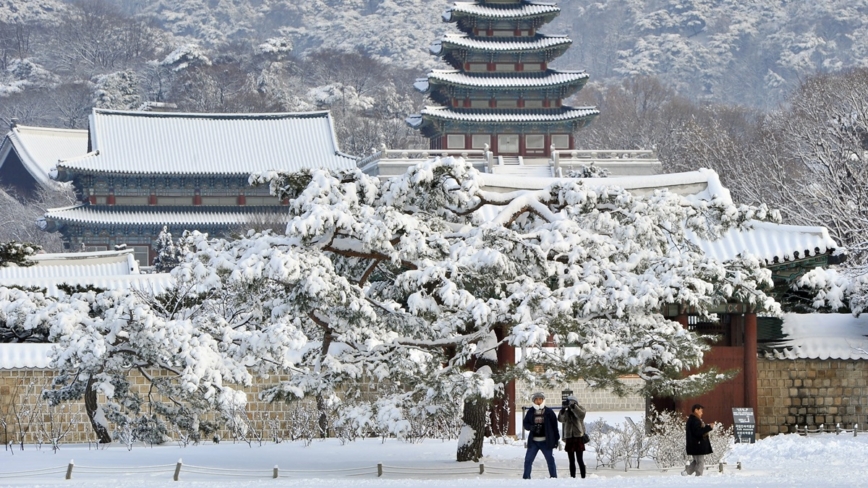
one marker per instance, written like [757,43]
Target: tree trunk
[322,421]
[473,432]
[91,406]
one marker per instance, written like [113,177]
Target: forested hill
[748,52]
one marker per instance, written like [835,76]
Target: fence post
[69,469]
[275,472]
[178,469]
[481,468]
[379,470]
[837,429]
[738,466]
[855,429]
[822,428]
[720,467]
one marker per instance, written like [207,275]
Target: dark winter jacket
[573,418]
[550,420]
[698,442]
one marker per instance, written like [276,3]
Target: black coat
[550,420]
[698,442]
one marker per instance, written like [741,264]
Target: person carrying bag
[572,415]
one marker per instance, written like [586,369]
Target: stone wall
[811,392]
[22,410]
[592,400]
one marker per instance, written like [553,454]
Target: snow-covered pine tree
[168,254]
[440,274]
[13,252]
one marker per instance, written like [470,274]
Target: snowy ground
[823,460]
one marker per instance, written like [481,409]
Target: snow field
[780,461]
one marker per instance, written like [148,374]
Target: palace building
[146,170]
[27,155]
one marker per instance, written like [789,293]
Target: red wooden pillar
[110,199]
[197,197]
[242,199]
[750,363]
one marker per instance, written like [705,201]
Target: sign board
[744,424]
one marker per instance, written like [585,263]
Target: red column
[242,199]
[110,199]
[750,364]
[197,198]
[152,199]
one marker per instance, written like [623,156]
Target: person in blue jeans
[542,425]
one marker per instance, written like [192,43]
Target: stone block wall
[811,392]
[592,400]
[22,410]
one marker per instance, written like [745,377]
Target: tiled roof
[538,43]
[821,336]
[551,78]
[156,283]
[770,242]
[25,356]
[511,116]
[227,144]
[39,148]
[521,10]
[155,216]
[72,265]
[765,240]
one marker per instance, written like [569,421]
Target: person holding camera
[542,423]
[698,443]
[572,415]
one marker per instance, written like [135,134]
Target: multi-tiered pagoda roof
[501,93]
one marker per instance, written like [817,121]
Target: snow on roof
[765,240]
[152,283]
[90,214]
[521,10]
[25,356]
[689,183]
[228,144]
[508,116]
[72,265]
[538,43]
[551,78]
[39,148]
[769,241]
[822,336]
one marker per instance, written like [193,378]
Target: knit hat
[572,398]
[536,395]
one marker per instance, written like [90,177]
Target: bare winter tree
[20,217]
[97,37]
[824,131]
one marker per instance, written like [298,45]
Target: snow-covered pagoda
[501,93]
[146,170]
